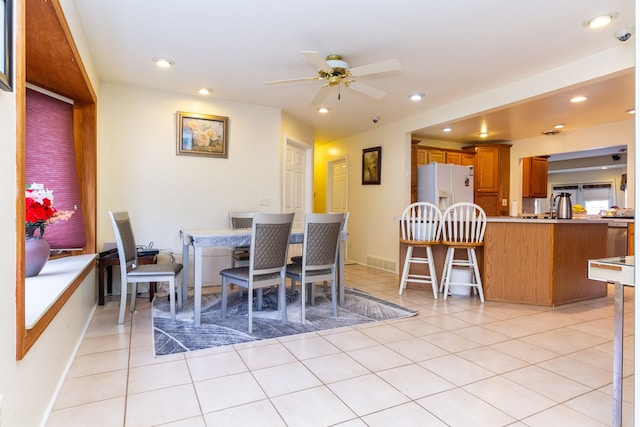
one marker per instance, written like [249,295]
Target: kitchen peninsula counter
[542,261]
[535,261]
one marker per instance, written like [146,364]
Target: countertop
[558,221]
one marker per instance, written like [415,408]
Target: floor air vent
[381,263]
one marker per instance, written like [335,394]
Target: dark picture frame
[371,165]
[6,45]
[202,135]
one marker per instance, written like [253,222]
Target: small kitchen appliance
[564,208]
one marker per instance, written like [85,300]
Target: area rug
[181,336]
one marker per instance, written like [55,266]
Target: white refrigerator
[445,184]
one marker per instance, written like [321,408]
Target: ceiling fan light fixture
[416,97]
[336,62]
[601,20]
[163,62]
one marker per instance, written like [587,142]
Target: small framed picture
[6,42]
[202,135]
[371,158]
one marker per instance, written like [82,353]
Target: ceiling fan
[334,71]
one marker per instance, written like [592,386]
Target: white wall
[139,171]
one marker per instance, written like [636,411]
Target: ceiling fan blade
[368,90]
[301,79]
[376,67]
[317,60]
[321,96]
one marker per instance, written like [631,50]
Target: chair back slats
[270,242]
[421,222]
[464,223]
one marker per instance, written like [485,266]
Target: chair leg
[134,295]
[179,283]
[172,299]
[432,272]
[223,301]
[334,297]
[476,272]
[250,307]
[282,300]
[443,279]
[405,269]
[303,300]
[447,274]
[123,302]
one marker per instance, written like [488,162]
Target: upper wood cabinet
[453,157]
[534,177]
[438,156]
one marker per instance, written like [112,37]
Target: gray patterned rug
[181,335]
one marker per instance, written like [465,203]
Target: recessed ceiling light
[204,90]
[601,20]
[163,62]
[483,134]
[416,97]
[447,129]
[580,98]
[559,126]
[323,110]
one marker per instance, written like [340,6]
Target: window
[50,160]
[594,197]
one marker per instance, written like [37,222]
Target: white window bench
[42,291]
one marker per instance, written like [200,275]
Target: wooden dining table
[229,238]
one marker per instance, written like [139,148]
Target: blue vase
[36,254]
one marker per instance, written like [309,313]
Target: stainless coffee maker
[564,208]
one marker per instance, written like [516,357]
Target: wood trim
[47,56]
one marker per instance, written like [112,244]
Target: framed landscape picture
[202,135]
[371,158]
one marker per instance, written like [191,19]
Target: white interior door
[337,186]
[296,183]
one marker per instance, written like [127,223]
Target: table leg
[100,283]
[197,284]
[618,337]
[341,273]
[185,270]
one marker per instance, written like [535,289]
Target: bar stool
[463,226]
[420,226]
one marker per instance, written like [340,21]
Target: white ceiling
[448,50]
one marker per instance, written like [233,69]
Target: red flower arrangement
[39,209]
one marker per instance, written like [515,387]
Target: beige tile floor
[457,363]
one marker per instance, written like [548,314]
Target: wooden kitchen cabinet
[453,157]
[468,159]
[630,238]
[438,156]
[491,178]
[534,177]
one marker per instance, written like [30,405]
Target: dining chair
[420,227]
[240,254]
[463,227]
[134,273]
[319,257]
[267,263]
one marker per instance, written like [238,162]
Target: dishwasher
[617,239]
